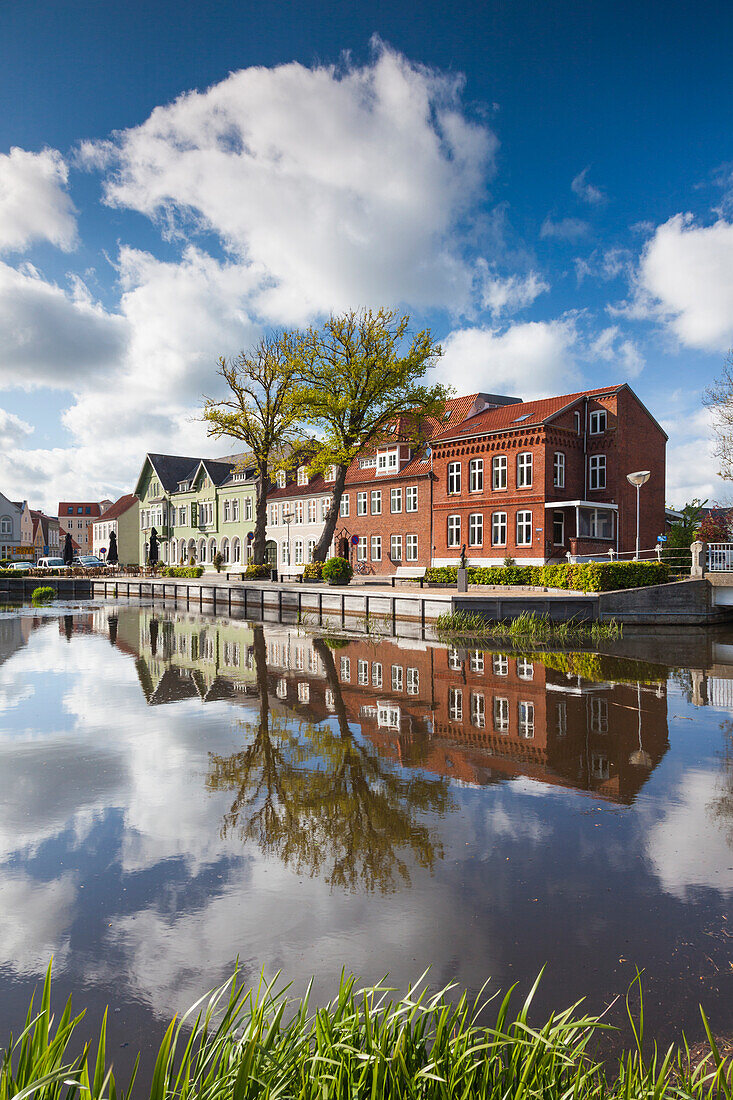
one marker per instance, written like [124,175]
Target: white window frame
[395,500]
[598,422]
[596,472]
[526,719]
[524,470]
[454,478]
[398,678]
[413,681]
[411,498]
[476,529]
[344,509]
[498,528]
[361,503]
[501,714]
[361,548]
[476,475]
[500,664]
[499,473]
[376,502]
[455,704]
[376,547]
[523,524]
[395,547]
[410,547]
[453,531]
[558,470]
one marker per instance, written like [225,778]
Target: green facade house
[199,507]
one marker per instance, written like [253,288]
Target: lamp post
[639,478]
[287,520]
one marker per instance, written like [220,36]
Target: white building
[296,513]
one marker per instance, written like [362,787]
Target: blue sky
[548,187]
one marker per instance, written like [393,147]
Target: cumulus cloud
[587,192]
[336,185]
[512,293]
[51,336]
[13,430]
[34,203]
[691,465]
[564,229]
[612,347]
[685,280]
[526,360]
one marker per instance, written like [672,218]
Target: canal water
[178,791]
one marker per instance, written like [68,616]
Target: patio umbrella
[112,622]
[154,637]
[112,558]
[68,550]
[68,626]
[153,547]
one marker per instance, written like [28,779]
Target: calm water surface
[177,791]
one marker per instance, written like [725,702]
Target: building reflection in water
[474,716]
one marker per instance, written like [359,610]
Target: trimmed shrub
[337,570]
[258,572]
[313,571]
[591,576]
[218,561]
[187,572]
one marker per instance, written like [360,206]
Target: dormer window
[302,475]
[281,479]
[447,414]
[387,462]
[330,474]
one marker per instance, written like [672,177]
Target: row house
[76,518]
[122,518]
[46,535]
[199,507]
[532,481]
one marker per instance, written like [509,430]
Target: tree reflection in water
[320,801]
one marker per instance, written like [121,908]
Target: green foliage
[592,576]
[218,561]
[525,626]
[45,592]
[189,572]
[258,572]
[338,570]
[313,571]
[365,1044]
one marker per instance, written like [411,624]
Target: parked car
[21,566]
[50,563]
[87,561]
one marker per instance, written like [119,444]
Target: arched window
[192,549]
[202,551]
[174,547]
[236,551]
[225,550]
[212,550]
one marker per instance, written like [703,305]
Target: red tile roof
[64,506]
[119,507]
[313,488]
[526,414]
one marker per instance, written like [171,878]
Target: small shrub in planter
[258,572]
[337,571]
[42,594]
[218,561]
[313,571]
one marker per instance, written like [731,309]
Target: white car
[21,566]
[51,563]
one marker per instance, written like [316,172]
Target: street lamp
[639,478]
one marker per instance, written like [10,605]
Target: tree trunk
[324,542]
[258,545]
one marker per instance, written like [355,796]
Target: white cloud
[34,204]
[13,430]
[527,360]
[565,229]
[611,347]
[336,186]
[587,192]
[53,337]
[685,279]
[512,293]
[691,465]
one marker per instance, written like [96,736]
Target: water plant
[527,626]
[244,1043]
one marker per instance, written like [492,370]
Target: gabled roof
[526,414]
[170,469]
[64,506]
[119,507]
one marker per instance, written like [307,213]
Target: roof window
[447,414]
[521,418]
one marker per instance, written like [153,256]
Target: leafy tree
[322,802]
[719,399]
[358,378]
[263,411]
[714,526]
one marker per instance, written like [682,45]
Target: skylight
[447,414]
[521,418]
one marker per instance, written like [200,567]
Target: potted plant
[337,571]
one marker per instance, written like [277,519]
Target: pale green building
[199,507]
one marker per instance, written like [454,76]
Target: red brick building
[77,518]
[536,480]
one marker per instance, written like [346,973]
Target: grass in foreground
[527,626]
[237,1044]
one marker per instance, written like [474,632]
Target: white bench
[291,572]
[409,573]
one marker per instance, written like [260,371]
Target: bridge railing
[720,557]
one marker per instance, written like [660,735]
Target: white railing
[720,557]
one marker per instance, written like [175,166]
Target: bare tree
[263,411]
[719,399]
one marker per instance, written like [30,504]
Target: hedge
[189,572]
[592,576]
[263,572]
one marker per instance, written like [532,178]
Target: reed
[527,626]
[240,1044]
